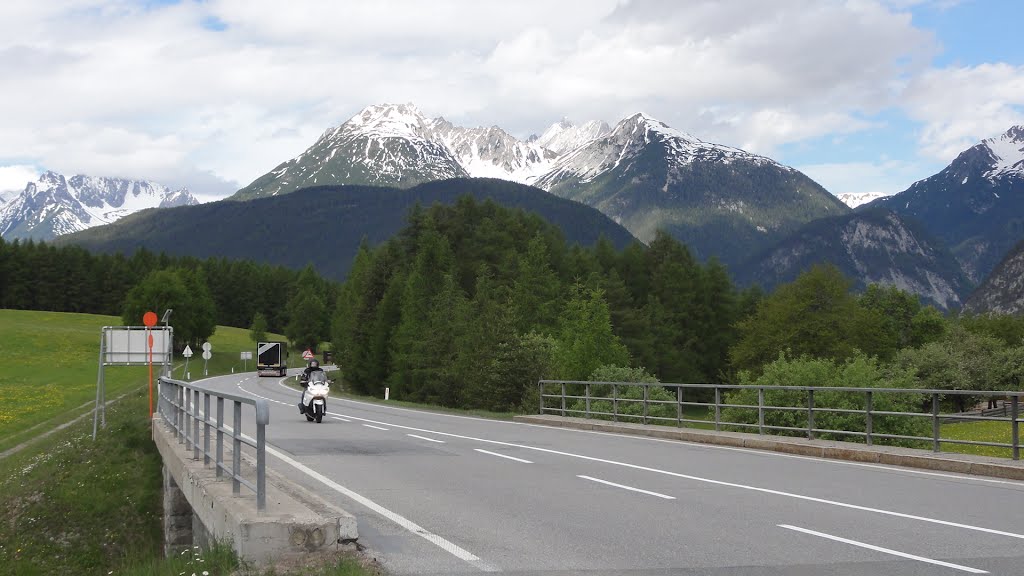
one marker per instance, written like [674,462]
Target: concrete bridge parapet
[200,507]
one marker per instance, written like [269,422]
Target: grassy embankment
[73,506]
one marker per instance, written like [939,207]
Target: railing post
[540,397]
[867,422]
[179,396]
[615,403]
[718,407]
[935,422]
[236,445]
[206,429]
[760,411]
[563,399]
[586,393]
[810,414]
[220,436]
[645,403]
[1015,426]
[261,466]
[679,406]
[195,424]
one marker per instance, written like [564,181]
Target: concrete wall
[294,523]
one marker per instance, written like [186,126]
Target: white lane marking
[624,487]
[402,521]
[700,445]
[376,427]
[503,456]
[782,455]
[885,550]
[716,482]
[708,480]
[340,418]
[425,438]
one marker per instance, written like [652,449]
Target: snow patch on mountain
[564,136]
[854,199]
[54,204]
[1007,152]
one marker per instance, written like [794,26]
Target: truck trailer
[272,358]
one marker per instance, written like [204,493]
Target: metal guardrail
[179,405]
[811,409]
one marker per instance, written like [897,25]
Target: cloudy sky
[862,95]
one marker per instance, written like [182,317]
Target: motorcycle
[314,398]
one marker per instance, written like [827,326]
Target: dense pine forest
[471,303]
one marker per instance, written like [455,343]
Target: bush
[856,372]
[630,409]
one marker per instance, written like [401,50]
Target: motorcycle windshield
[317,378]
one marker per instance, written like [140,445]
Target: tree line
[202,292]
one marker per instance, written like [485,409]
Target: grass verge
[71,505]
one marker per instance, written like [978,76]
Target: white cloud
[960,106]
[885,176]
[139,89]
[14,178]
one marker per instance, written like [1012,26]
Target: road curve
[444,494]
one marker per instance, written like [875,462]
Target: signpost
[206,356]
[246,356]
[130,346]
[187,354]
[307,355]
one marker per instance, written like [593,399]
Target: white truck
[272,358]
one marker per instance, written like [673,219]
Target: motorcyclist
[313,366]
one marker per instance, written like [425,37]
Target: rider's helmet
[314,364]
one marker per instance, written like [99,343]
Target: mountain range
[764,220]
[55,205]
[324,225]
[975,205]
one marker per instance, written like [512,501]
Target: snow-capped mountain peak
[390,121]
[564,136]
[55,205]
[1007,153]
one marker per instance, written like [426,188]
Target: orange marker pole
[149,319]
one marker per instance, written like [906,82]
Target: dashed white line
[427,439]
[375,427]
[885,550]
[340,418]
[503,456]
[624,487]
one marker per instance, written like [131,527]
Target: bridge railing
[575,398]
[186,407]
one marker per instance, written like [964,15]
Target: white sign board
[188,352]
[130,345]
[246,356]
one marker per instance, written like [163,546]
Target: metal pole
[1015,426]
[261,467]
[220,436]
[236,456]
[206,429]
[540,396]
[615,403]
[868,422]
[760,411]
[718,407]
[195,424]
[646,388]
[810,414]
[563,399]
[99,379]
[587,394]
[679,406]
[935,422]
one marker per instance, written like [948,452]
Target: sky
[861,95]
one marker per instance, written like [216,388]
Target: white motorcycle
[314,397]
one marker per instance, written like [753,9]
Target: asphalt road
[443,494]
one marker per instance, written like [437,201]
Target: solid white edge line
[701,445]
[402,521]
[885,550]
[376,427]
[710,481]
[340,418]
[624,487]
[503,456]
[427,439]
